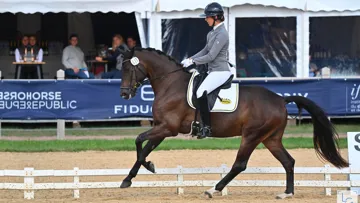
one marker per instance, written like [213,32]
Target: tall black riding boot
[205,116]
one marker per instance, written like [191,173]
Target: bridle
[135,65]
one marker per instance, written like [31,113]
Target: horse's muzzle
[125,93]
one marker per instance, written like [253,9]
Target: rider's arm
[203,52]
[219,43]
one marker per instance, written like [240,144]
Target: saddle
[214,94]
[198,79]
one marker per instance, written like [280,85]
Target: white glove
[183,61]
[187,62]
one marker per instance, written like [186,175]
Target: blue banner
[71,99]
[100,99]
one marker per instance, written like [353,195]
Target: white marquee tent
[302,10]
[156,10]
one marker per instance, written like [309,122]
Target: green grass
[128,145]
[126,131]
[308,129]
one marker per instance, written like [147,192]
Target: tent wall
[156,29]
[250,11]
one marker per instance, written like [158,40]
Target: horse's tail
[325,136]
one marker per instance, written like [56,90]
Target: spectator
[38,52]
[116,58]
[20,51]
[131,42]
[30,72]
[73,60]
[313,69]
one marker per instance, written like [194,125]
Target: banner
[71,99]
[100,99]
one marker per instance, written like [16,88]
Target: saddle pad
[231,94]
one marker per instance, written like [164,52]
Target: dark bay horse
[261,117]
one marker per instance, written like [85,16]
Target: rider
[215,55]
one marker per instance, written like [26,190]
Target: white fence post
[225,190]
[60,131]
[327,177]
[76,182]
[60,75]
[180,179]
[29,183]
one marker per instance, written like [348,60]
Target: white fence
[29,174]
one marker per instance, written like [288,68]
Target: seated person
[38,52]
[116,58]
[313,69]
[28,50]
[73,60]
[131,42]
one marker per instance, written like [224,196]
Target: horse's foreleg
[155,137]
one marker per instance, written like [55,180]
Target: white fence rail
[29,174]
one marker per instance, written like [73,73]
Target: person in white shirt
[29,47]
[73,60]
[38,52]
[19,52]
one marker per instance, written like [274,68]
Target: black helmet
[213,9]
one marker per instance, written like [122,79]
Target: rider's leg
[205,116]
[211,82]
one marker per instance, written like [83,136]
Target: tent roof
[332,5]
[305,5]
[176,5]
[68,6]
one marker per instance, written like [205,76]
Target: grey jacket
[215,53]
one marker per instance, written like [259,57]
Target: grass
[129,145]
[308,128]
[126,131]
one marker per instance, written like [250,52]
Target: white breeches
[213,81]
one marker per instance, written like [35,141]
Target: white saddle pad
[231,95]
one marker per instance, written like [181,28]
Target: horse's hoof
[125,184]
[284,195]
[208,194]
[150,167]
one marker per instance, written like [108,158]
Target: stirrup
[205,132]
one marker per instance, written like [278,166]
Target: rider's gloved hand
[187,62]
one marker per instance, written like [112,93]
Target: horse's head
[133,74]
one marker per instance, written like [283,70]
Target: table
[38,64]
[101,62]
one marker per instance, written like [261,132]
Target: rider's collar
[216,26]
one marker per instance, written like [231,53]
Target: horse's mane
[160,53]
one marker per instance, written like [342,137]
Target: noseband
[135,64]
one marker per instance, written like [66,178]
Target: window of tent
[335,43]
[266,47]
[182,38]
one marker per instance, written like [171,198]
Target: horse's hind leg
[275,146]
[246,148]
